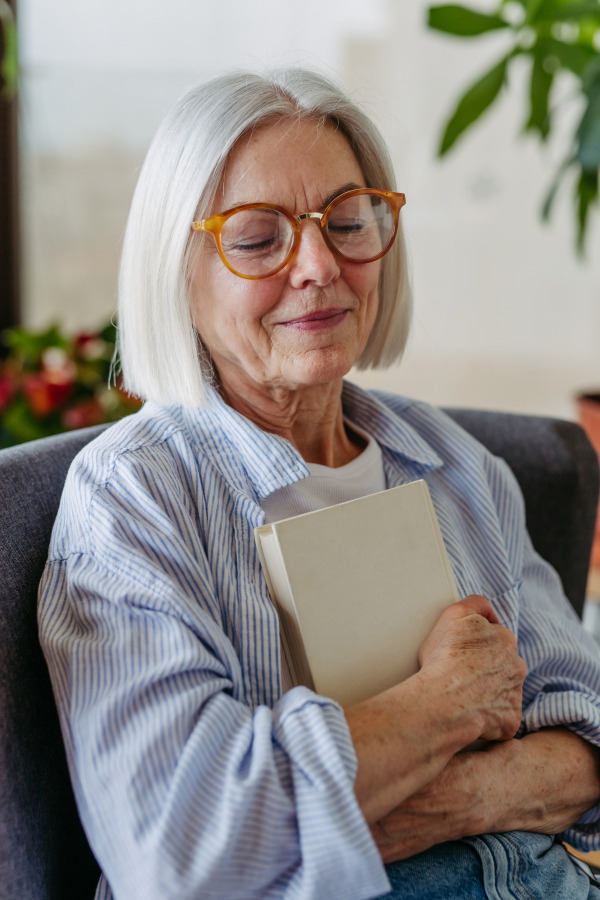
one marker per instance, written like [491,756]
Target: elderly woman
[263,259]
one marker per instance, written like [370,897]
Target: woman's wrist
[452,722]
[404,737]
[548,780]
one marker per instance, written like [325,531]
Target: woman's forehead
[289,163]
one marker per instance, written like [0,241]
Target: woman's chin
[318,367]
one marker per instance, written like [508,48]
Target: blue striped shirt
[194,776]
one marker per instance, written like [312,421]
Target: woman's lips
[318,320]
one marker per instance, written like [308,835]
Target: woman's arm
[543,782]
[549,779]
[469,686]
[185,787]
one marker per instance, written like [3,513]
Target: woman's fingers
[473,603]
[478,660]
[469,620]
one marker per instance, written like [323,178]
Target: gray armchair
[44,854]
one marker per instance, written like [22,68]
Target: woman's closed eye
[252,244]
[355,235]
[346,228]
[255,233]
[254,241]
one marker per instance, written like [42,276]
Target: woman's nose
[314,261]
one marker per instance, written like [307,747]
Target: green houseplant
[559,38]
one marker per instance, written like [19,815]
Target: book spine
[300,668]
[285,627]
[441,545]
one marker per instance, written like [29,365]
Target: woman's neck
[311,418]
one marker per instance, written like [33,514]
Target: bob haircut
[162,355]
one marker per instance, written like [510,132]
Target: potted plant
[51,383]
[557,37]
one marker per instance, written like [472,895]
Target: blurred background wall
[505,316]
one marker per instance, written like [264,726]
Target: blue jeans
[517,865]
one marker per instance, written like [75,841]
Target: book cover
[358,587]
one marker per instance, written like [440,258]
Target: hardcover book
[357,587]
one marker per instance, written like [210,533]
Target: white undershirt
[325,487]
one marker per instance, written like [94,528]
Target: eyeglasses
[256,240]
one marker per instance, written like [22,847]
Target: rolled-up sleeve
[562,687]
[183,789]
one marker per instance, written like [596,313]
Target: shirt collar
[389,428]
[270,462]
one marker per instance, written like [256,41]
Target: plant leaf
[587,194]
[575,57]
[539,92]
[21,423]
[476,100]
[30,345]
[532,8]
[551,195]
[568,12]
[588,133]
[454,19]
[109,333]
[8,60]
[590,78]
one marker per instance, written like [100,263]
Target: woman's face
[308,323]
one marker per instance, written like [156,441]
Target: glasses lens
[361,227]
[256,241]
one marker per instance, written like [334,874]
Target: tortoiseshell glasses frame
[215,224]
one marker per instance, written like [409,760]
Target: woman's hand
[476,659]
[469,686]
[543,782]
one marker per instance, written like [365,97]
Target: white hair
[161,354]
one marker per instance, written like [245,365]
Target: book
[357,587]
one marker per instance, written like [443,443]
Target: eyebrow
[342,190]
[350,186]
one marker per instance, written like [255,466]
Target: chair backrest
[44,854]
[557,470]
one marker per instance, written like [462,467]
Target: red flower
[84,414]
[7,390]
[43,394]
[89,346]
[47,390]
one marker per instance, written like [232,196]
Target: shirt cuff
[339,855]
